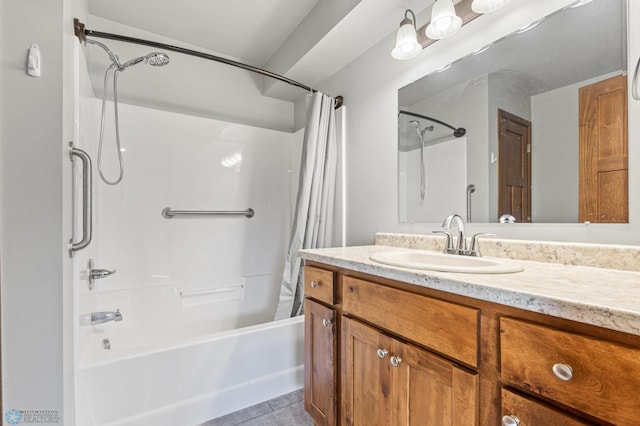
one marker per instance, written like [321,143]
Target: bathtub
[187,383]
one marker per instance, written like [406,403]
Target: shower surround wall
[189,275]
[185,279]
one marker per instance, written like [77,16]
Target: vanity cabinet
[518,410]
[384,352]
[594,376]
[320,376]
[388,382]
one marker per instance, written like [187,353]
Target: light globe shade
[407,46]
[486,6]
[444,21]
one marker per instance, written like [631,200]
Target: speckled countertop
[607,298]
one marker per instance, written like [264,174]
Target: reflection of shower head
[156,59]
[459,132]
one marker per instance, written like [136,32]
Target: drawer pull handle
[315,284]
[395,360]
[326,322]
[563,371]
[510,420]
[382,353]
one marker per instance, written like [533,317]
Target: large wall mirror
[531,128]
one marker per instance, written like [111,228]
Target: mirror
[526,124]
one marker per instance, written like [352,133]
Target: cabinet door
[366,375]
[429,390]
[387,382]
[320,372]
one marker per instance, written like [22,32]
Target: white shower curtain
[313,217]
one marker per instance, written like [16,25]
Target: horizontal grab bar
[167,213]
[189,293]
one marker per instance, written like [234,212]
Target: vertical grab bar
[634,82]
[471,188]
[87,205]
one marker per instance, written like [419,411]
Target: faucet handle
[448,247]
[475,245]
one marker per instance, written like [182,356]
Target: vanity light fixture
[407,46]
[486,6]
[444,21]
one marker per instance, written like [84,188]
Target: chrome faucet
[102,317]
[461,245]
[462,238]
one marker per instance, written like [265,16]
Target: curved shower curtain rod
[81,32]
[457,132]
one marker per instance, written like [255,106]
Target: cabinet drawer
[319,284]
[603,379]
[445,327]
[532,413]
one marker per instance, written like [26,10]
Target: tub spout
[102,317]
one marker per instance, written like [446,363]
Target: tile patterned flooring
[285,410]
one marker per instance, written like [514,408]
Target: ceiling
[304,40]
[249,30]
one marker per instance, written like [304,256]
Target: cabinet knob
[382,353]
[563,371]
[395,360]
[326,322]
[510,420]
[315,284]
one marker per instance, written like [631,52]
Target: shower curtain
[313,217]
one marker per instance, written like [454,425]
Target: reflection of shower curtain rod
[82,33]
[457,132]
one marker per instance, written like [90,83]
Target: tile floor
[285,410]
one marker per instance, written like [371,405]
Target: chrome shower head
[414,124]
[156,59]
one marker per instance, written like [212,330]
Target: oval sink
[422,259]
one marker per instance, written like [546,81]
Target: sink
[429,260]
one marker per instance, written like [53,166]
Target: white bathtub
[189,383]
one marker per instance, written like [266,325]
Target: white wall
[446,106]
[555,145]
[35,285]
[370,84]
[447,158]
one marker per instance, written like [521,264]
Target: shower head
[414,124]
[156,59]
[459,132]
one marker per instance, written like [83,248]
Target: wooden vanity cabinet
[388,382]
[321,346]
[518,410]
[597,377]
[382,352]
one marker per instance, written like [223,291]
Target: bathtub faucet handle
[96,274]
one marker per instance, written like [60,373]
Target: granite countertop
[607,298]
